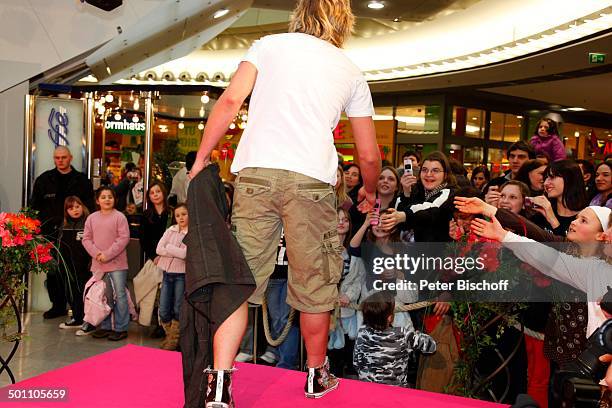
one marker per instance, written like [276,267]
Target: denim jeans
[117,297]
[278,310]
[171,296]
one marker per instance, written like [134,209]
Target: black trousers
[56,283]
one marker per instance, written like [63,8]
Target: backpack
[95,304]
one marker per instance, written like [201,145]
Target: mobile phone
[408,166]
[376,216]
[529,203]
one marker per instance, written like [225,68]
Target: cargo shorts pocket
[332,257]
[252,186]
[315,192]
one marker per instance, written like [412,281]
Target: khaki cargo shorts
[265,200]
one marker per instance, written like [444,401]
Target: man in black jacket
[50,190]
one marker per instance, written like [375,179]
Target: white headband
[603,213]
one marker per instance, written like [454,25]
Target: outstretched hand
[490,230]
[474,205]
[366,200]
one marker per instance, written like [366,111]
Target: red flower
[538,278]
[42,253]
[489,257]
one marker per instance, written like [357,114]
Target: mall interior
[134,81]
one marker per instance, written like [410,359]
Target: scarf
[431,193]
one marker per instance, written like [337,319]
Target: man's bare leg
[315,328]
[228,337]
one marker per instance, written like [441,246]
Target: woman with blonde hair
[342,198]
[286,164]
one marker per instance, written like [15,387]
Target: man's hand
[366,200]
[343,300]
[100,257]
[198,166]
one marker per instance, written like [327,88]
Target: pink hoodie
[550,146]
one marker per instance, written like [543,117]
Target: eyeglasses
[435,172]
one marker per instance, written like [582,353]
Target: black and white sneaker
[86,329]
[71,324]
[320,381]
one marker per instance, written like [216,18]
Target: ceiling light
[519,117]
[136,105]
[109,98]
[181,125]
[101,110]
[576,109]
[205,99]
[117,116]
[135,119]
[131,96]
[182,112]
[376,5]
[576,134]
[396,20]
[474,118]
[119,102]
[220,13]
[201,126]
[232,126]
[202,112]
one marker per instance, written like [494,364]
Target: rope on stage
[278,341]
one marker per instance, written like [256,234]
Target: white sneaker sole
[64,327]
[321,394]
[217,405]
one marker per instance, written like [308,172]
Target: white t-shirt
[303,85]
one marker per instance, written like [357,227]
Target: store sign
[58,122]
[125,127]
[189,139]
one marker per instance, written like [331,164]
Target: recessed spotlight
[181,125]
[376,5]
[201,126]
[396,20]
[220,13]
[205,99]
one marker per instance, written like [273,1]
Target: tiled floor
[46,347]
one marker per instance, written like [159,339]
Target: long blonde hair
[341,195]
[329,20]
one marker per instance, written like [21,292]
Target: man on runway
[286,164]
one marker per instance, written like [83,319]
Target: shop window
[505,127]
[418,120]
[586,142]
[497,162]
[468,122]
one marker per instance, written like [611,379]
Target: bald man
[50,190]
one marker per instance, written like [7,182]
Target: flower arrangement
[22,250]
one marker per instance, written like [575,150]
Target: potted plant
[22,250]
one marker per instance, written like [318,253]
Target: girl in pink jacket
[171,260]
[546,140]
[105,238]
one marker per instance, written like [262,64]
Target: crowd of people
[536,201]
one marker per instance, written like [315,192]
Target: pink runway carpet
[135,376]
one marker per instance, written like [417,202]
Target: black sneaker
[101,333]
[71,324]
[320,381]
[53,313]
[116,336]
[86,329]
[219,392]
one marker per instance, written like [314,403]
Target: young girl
[361,278]
[546,140]
[105,238]
[172,252]
[382,352]
[76,259]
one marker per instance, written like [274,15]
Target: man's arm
[224,112]
[364,134]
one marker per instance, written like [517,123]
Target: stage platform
[135,376]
